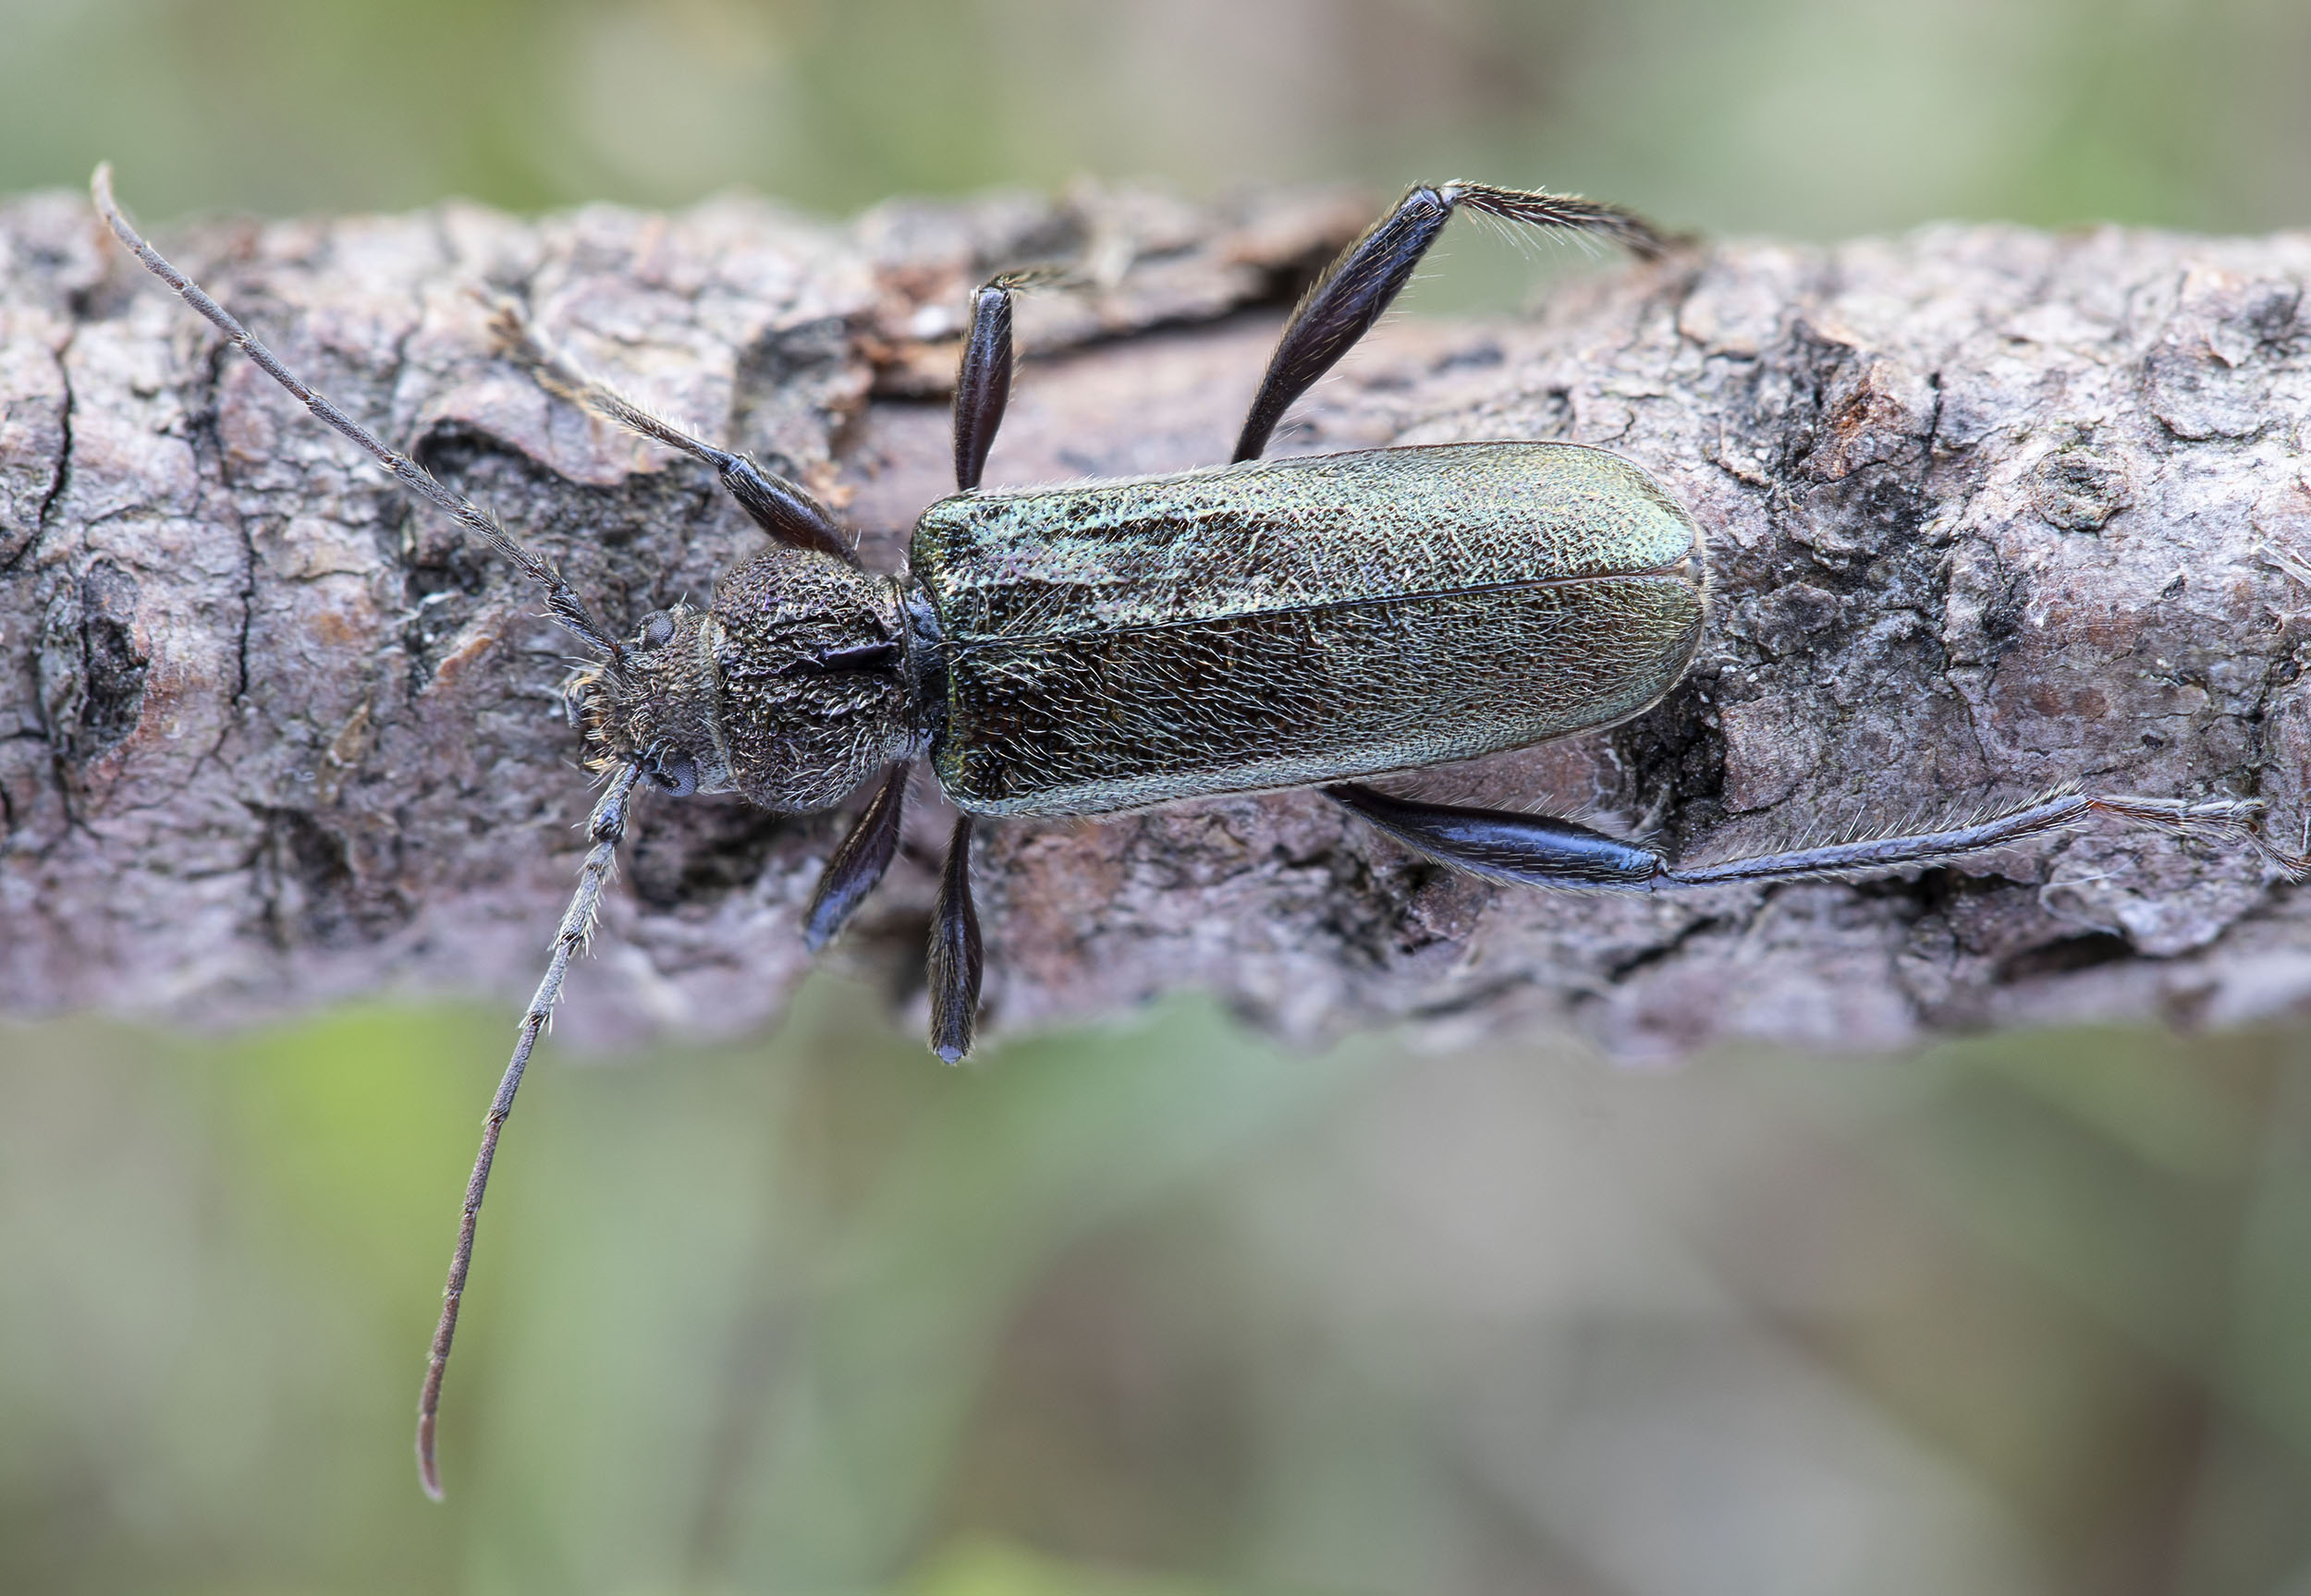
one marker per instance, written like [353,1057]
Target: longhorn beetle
[1111,645]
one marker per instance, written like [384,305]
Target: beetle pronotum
[1233,624]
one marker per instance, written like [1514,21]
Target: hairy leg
[1365,279]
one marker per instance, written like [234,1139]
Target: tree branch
[1988,510]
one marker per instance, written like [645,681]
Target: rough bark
[1988,510]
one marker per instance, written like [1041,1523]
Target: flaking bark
[1988,510]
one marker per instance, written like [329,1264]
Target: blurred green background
[1165,1310]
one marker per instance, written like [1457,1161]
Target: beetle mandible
[1110,645]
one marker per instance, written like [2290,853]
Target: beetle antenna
[606,828]
[561,598]
[780,507]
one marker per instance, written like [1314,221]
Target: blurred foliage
[1817,117]
[1164,1310]
[1154,1312]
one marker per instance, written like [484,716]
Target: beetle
[1109,645]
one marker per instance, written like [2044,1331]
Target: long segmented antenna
[560,597]
[1856,854]
[1540,850]
[778,507]
[607,827]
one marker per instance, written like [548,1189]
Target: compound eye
[657,632]
[676,774]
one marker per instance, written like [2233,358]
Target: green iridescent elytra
[1113,644]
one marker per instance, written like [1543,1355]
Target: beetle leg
[859,862]
[780,507]
[955,953]
[1500,844]
[1535,850]
[1365,279]
[984,385]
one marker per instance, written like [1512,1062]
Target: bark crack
[62,477]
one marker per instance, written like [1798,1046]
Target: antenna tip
[428,1466]
[100,188]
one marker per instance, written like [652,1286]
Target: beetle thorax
[788,691]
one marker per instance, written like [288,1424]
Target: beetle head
[788,691]
[654,709]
